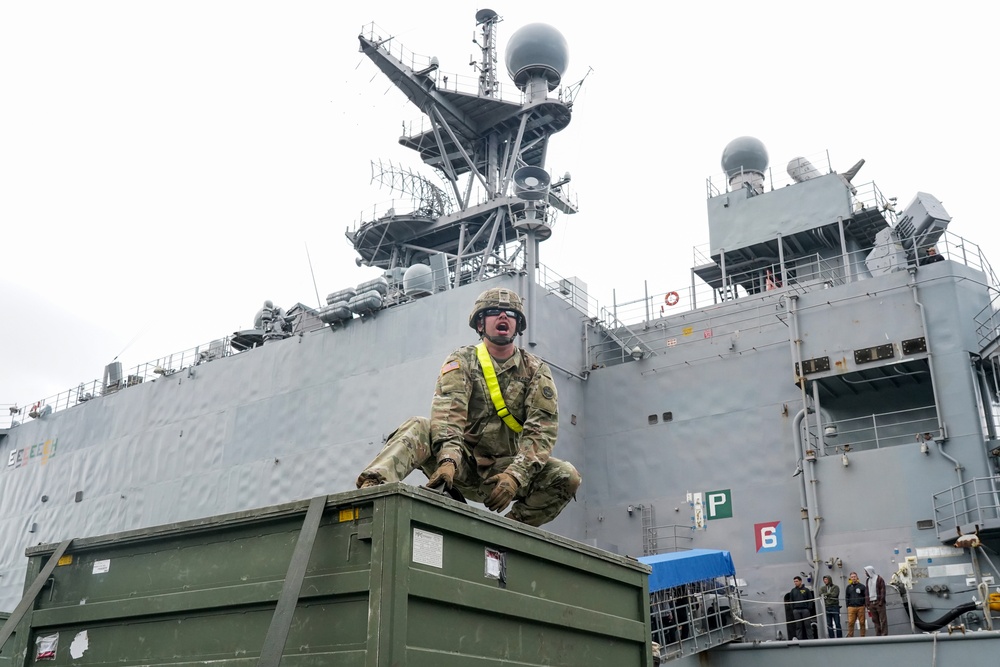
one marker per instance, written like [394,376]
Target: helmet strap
[498,340]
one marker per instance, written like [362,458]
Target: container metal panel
[397,576]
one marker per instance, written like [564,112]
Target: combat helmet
[499,297]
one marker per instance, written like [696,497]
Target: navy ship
[823,395]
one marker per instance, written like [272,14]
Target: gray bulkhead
[714,409]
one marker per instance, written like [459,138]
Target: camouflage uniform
[464,426]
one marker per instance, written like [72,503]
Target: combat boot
[370,479]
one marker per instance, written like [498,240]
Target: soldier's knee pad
[573,478]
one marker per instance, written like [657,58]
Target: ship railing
[808,273]
[661,333]
[396,207]
[461,83]
[958,249]
[878,430]
[802,275]
[144,372]
[988,327]
[679,537]
[621,342]
[694,617]
[869,196]
[971,505]
[412,206]
[571,290]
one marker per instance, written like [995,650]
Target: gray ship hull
[823,398]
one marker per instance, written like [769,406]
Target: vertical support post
[781,261]
[531,258]
[982,588]
[722,258]
[277,632]
[843,250]
[29,598]
[645,285]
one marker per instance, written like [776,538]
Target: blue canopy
[685,567]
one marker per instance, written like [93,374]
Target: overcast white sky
[163,165]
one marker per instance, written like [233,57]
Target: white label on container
[80,645]
[492,563]
[46,647]
[102,566]
[428,548]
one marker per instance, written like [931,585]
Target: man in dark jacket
[830,592]
[876,600]
[803,607]
[856,596]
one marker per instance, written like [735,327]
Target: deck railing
[877,431]
[694,617]
[642,323]
[652,312]
[87,391]
[975,502]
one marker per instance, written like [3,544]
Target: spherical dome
[418,281]
[537,49]
[744,154]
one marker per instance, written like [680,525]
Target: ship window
[668,417]
[653,419]
[925,524]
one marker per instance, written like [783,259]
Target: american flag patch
[450,366]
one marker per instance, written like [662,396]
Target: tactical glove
[444,475]
[503,493]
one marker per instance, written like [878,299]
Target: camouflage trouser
[540,501]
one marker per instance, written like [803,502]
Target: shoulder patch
[547,392]
[450,366]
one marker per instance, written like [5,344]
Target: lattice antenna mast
[487,19]
[428,199]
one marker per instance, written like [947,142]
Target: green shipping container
[390,576]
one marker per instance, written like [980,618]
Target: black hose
[936,624]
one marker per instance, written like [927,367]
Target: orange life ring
[672,298]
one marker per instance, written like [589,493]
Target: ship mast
[488,149]
[488,19]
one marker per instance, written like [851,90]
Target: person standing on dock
[856,596]
[876,600]
[803,608]
[830,592]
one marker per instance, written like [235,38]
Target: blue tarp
[685,567]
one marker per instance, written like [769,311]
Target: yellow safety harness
[491,383]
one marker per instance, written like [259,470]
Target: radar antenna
[569,93]
[428,199]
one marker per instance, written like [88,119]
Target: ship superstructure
[823,396]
